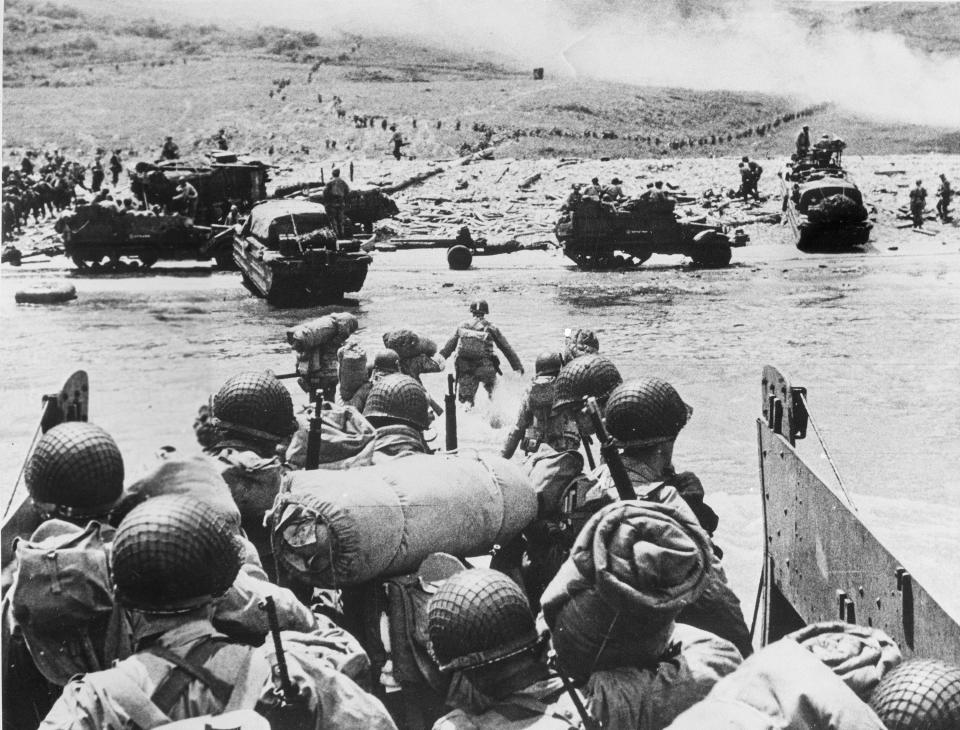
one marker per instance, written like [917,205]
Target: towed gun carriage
[600,235]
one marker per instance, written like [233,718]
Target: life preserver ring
[46,294]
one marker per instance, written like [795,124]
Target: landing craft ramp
[821,563]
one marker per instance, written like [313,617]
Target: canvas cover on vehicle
[273,219]
[340,529]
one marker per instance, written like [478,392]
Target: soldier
[536,423]
[397,407]
[944,194]
[172,556]
[645,417]
[803,142]
[26,164]
[593,190]
[247,425]
[186,199]
[335,195]
[232,217]
[580,342]
[170,151]
[613,192]
[587,375]
[397,141]
[750,178]
[476,362]
[97,174]
[921,693]
[573,199]
[385,362]
[481,630]
[221,140]
[918,203]
[316,343]
[116,167]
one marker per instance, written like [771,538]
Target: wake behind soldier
[918,203]
[476,361]
[335,195]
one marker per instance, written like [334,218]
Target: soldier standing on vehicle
[476,361]
[803,142]
[221,139]
[593,191]
[97,174]
[943,194]
[172,556]
[170,151]
[918,203]
[573,199]
[536,423]
[335,195]
[116,167]
[613,192]
[186,199]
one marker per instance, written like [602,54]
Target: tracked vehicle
[601,235]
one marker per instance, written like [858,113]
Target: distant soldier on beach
[221,139]
[397,141]
[116,167]
[97,174]
[918,203]
[335,199]
[943,194]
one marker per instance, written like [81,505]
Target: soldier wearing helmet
[481,631]
[75,473]
[580,342]
[918,204]
[586,376]
[536,423]
[645,417]
[921,693]
[476,361]
[172,557]
[246,429]
[397,407]
[317,342]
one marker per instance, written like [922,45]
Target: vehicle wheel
[80,263]
[225,261]
[713,255]
[147,261]
[459,258]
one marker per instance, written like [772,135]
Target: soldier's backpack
[540,398]
[474,344]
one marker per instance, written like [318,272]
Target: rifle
[609,451]
[450,400]
[288,692]
[314,436]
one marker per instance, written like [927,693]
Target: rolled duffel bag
[353,368]
[334,529]
[318,332]
[404,342]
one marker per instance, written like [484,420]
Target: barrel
[334,529]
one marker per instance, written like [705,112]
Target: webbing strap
[185,670]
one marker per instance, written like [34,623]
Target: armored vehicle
[822,203]
[601,235]
[108,230]
[287,251]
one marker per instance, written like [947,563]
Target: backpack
[474,344]
[62,600]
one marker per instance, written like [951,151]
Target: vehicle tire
[225,261]
[55,293]
[148,260]
[459,258]
[712,251]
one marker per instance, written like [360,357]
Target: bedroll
[333,530]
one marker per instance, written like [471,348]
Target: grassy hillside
[80,80]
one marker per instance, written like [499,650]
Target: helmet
[172,554]
[588,375]
[645,412]
[387,360]
[478,617]
[480,307]
[255,404]
[399,397]
[76,471]
[548,363]
[922,694]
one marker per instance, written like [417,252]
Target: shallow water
[874,337]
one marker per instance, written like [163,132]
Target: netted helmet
[75,472]
[399,397]
[548,363]
[387,360]
[480,307]
[255,404]
[645,412]
[921,694]
[478,617]
[589,375]
[172,554]
[585,340]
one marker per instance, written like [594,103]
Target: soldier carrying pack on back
[536,423]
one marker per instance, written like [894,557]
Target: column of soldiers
[134,605]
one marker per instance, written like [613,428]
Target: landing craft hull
[822,563]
